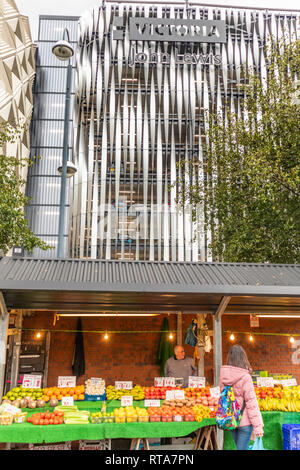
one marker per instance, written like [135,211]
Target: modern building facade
[17,72]
[145,76]
[43,184]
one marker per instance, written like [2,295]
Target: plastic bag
[258,444]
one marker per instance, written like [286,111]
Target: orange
[81,396]
[75,397]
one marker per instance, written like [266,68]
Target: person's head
[179,352]
[237,357]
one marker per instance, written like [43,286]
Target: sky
[34,8]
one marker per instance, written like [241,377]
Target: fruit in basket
[56,417]
[94,389]
[58,393]
[201,412]
[40,403]
[53,402]
[137,393]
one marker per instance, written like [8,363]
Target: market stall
[179,413]
[103,285]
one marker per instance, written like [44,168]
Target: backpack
[229,414]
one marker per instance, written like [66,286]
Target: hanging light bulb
[292,339]
[38,335]
[232,337]
[251,338]
[106,336]
[170,336]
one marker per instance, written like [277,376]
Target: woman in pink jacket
[237,373]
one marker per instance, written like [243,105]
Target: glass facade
[139,110]
[43,183]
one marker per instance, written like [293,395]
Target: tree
[251,189]
[14,229]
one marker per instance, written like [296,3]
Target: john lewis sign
[171,30]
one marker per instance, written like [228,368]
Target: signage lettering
[165,58]
[171,30]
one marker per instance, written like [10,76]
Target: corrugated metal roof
[111,275]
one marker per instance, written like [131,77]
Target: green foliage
[14,229]
[251,189]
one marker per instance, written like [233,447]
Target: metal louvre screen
[140,100]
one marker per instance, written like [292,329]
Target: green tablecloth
[29,433]
[273,438]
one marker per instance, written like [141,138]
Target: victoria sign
[171,30]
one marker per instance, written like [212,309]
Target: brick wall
[133,356]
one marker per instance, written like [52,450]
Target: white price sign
[127,400]
[169,382]
[288,382]
[178,418]
[159,382]
[265,381]
[215,392]
[32,381]
[67,401]
[154,403]
[196,382]
[123,385]
[179,394]
[96,381]
[66,381]
[175,395]
[170,394]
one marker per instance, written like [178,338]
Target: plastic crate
[95,397]
[291,436]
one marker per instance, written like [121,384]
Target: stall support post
[4,315]
[201,343]
[16,350]
[179,328]
[217,348]
[218,352]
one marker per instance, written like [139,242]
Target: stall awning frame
[106,285]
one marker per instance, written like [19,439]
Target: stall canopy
[108,285]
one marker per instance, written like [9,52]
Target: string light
[292,339]
[232,337]
[38,335]
[170,336]
[251,338]
[106,336]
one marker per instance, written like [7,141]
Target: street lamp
[64,52]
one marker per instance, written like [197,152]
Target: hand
[259,434]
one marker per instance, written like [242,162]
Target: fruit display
[278,398]
[57,393]
[25,397]
[154,414]
[279,404]
[137,393]
[102,417]
[20,417]
[142,415]
[201,412]
[47,418]
[94,389]
[197,392]
[119,415]
[157,393]
[6,419]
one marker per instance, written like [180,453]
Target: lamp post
[64,51]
